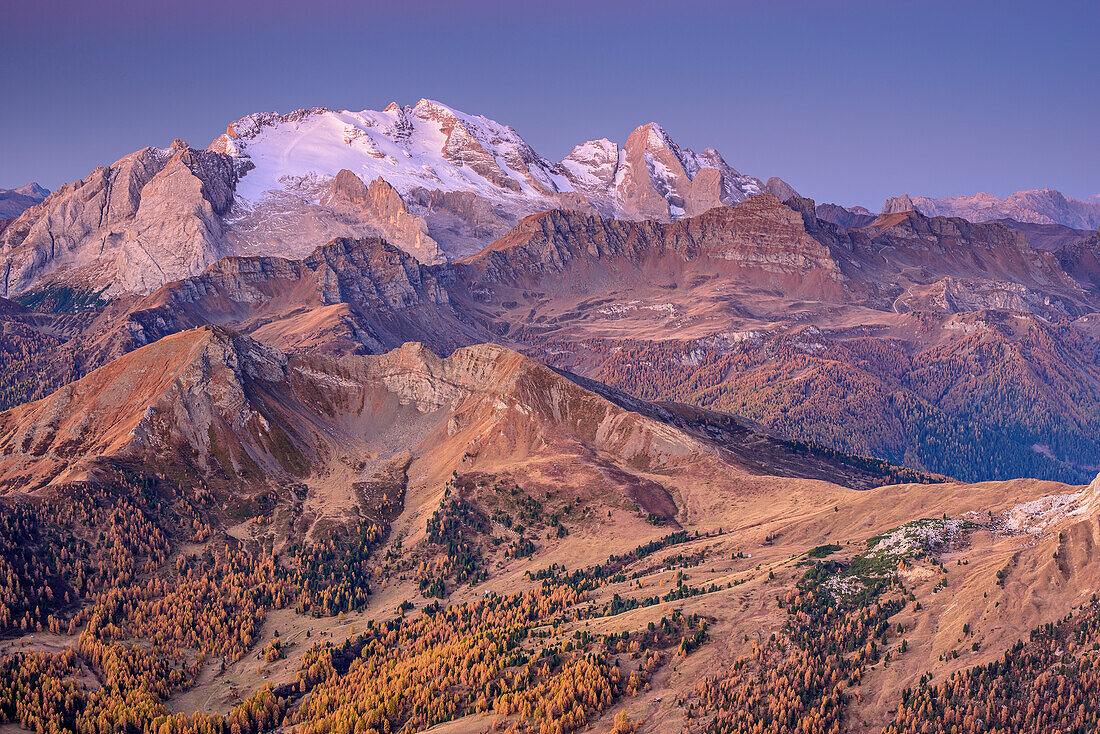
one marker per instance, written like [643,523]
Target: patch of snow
[593,163]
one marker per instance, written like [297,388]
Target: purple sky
[848,101]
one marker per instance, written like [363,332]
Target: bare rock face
[780,189]
[291,222]
[350,186]
[931,263]
[397,225]
[762,233]
[961,295]
[705,192]
[373,274]
[656,179]
[418,377]
[460,221]
[637,190]
[152,217]
[383,213]
[173,208]
[805,207]
[1082,261]
[897,204]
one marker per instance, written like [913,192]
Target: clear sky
[849,102]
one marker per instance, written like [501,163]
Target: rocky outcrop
[384,213]
[961,295]
[1081,260]
[374,274]
[656,179]
[349,186]
[400,228]
[637,191]
[807,209]
[176,230]
[898,204]
[780,189]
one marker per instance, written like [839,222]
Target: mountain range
[904,336]
[437,182]
[1040,206]
[382,422]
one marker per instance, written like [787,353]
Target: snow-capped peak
[428,145]
[592,163]
[431,146]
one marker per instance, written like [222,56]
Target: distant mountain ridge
[1039,206]
[14,202]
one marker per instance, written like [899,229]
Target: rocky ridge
[169,402]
